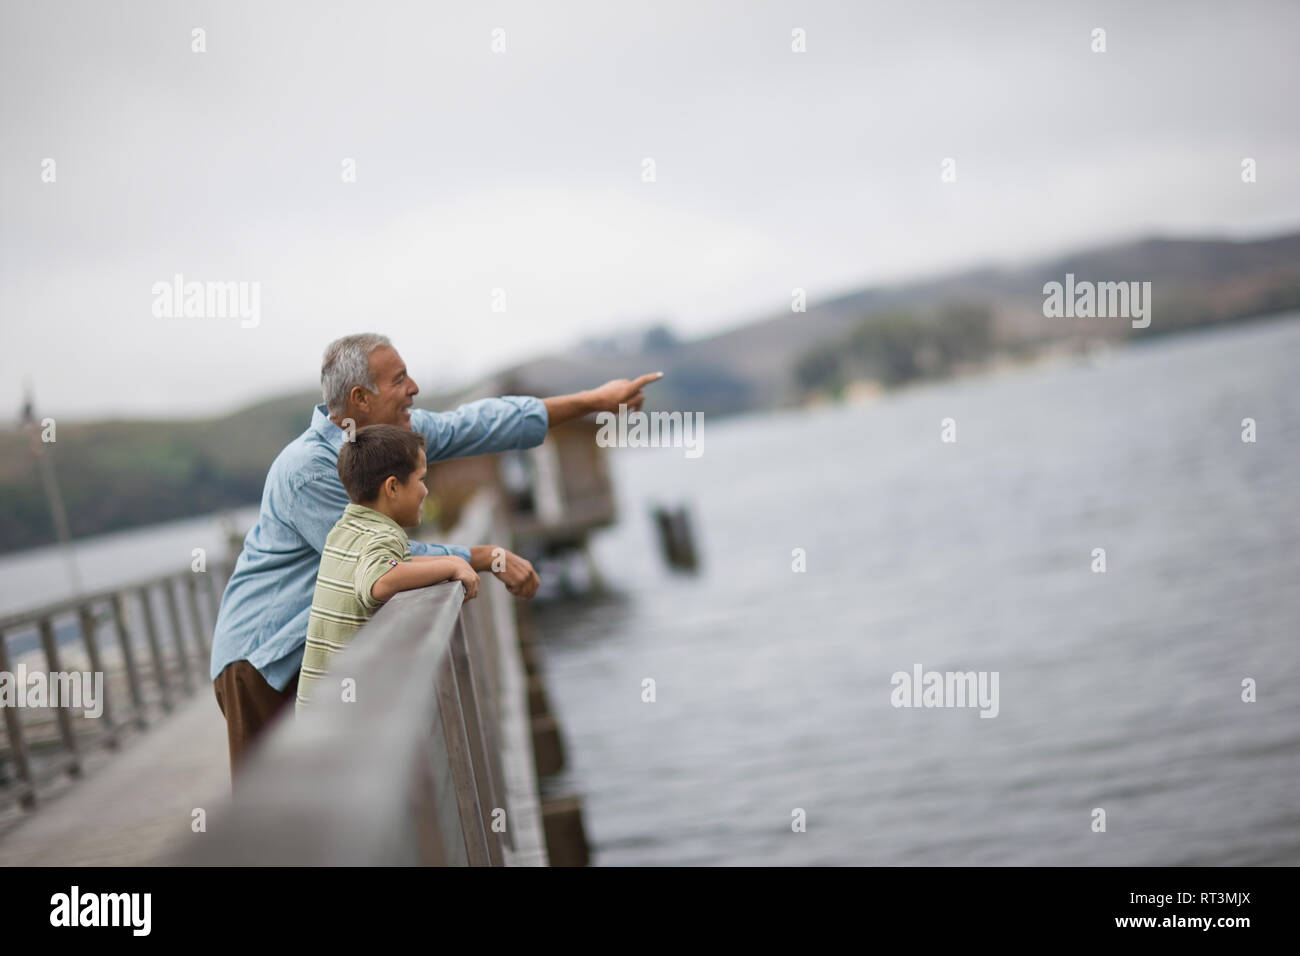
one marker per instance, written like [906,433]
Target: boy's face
[409,503]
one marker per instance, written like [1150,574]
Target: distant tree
[820,368]
[963,332]
[898,346]
[890,343]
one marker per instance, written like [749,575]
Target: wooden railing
[117,634]
[427,761]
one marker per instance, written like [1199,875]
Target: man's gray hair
[345,366]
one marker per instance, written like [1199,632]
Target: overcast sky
[522,170]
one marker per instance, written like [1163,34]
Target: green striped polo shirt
[361,548]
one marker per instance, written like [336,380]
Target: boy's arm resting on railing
[423,571]
[516,573]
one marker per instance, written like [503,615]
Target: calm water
[40,576]
[1119,690]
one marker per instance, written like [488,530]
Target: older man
[262,625]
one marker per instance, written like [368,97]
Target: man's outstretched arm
[606,398]
[517,422]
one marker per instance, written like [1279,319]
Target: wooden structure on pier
[554,495]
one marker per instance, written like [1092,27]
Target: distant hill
[1194,282]
[118,474]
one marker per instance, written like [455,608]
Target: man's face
[395,391]
[410,496]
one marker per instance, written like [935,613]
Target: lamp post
[45,465]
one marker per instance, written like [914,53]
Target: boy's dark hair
[376,452]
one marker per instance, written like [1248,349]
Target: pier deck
[134,807]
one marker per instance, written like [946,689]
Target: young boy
[367,557]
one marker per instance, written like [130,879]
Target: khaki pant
[250,706]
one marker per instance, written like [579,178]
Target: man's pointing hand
[622,391]
[607,398]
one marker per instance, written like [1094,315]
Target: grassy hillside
[119,474]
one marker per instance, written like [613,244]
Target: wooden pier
[433,763]
[148,671]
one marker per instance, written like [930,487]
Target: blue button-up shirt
[263,615]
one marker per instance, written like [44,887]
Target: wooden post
[461,764]
[548,749]
[485,656]
[178,635]
[200,630]
[128,659]
[17,747]
[477,733]
[431,848]
[60,713]
[485,625]
[155,650]
[90,635]
[566,838]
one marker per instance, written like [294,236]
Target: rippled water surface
[1118,690]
